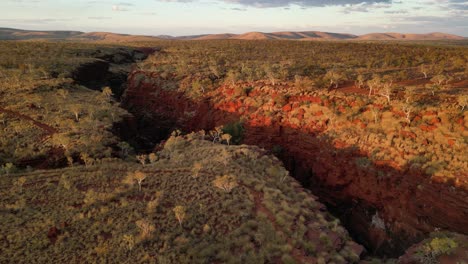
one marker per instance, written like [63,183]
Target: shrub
[236,130]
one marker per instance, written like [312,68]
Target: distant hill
[114,37]
[19,34]
[399,36]
[306,35]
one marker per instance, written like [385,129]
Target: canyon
[385,208]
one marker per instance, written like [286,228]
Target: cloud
[36,21]
[238,9]
[286,3]
[365,7]
[99,18]
[119,8]
[122,6]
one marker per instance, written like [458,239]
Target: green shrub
[236,130]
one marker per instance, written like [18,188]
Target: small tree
[226,137]
[216,134]
[410,94]
[270,74]
[462,100]
[408,109]
[152,158]
[197,167]
[124,148]
[375,113]
[226,183]
[374,84]
[386,90]
[360,81]
[8,168]
[434,88]
[20,183]
[3,118]
[139,176]
[107,93]
[146,228]
[62,93]
[180,214]
[142,159]
[424,69]
[88,160]
[70,161]
[232,77]
[334,77]
[76,109]
[440,79]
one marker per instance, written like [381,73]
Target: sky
[192,17]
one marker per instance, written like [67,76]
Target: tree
[142,159]
[62,93]
[226,183]
[180,214]
[76,109]
[440,79]
[197,167]
[462,100]
[107,93]
[407,108]
[216,134]
[146,228]
[375,113]
[88,161]
[433,87]
[277,172]
[424,69]
[226,137]
[3,118]
[360,81]
[20,182]
[410,93]
[232,76]
[139,176]
[386,90]
[62,140]
[334,77]
[8,168]
[124,148]
[270,73]
[374,84]
[70,161]
[303,83]
[152,158]
[197,86]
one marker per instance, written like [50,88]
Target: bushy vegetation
[44,115]
[441,247]
[202,65]
[162,212]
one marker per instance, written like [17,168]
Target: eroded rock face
[384,207]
